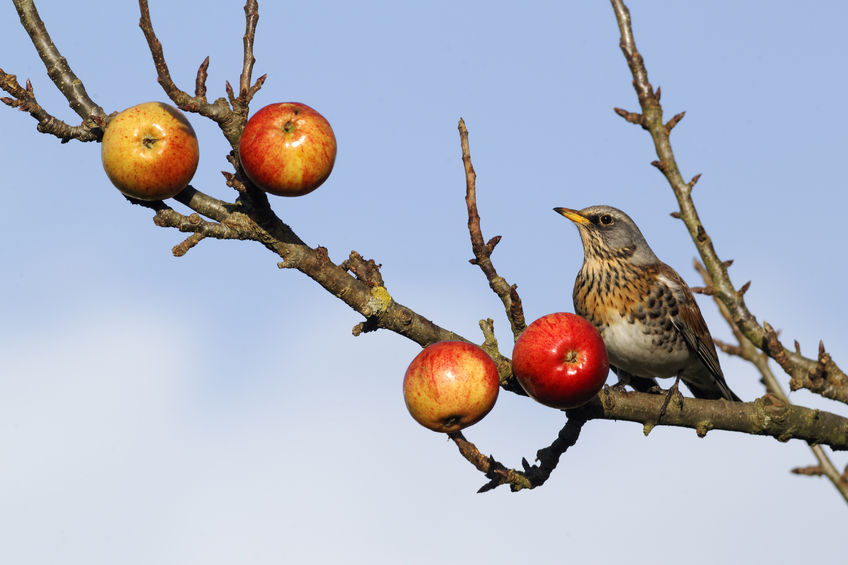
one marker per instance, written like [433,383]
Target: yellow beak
[573,215]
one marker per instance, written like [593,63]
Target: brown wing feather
[690,323]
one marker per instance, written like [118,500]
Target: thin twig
[746,350]
[58,68]
[24,99]
[483,251]
[251,16]
[532,476]
[231,123]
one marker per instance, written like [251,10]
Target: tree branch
[820,375]
[766,416]
[24,100]
[246,90]
[230,122]
[58,68]
[483,251]
[531,476]
[748,352]
[62,76]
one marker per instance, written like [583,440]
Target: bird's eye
[605,220]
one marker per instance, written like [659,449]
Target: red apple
[560,360]
[450,385]
[287,149]
[150,151]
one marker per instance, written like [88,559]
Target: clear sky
[214,409]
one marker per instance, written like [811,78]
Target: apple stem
[149,141]
[572,356]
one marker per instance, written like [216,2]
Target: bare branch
[251,16]
[768,416]
[58,68]
[483,251]
[747,351]
[231,124]
[24,100]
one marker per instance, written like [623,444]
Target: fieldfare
[645,312]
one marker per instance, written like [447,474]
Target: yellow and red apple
[150,151]
[450,385]
[287,149]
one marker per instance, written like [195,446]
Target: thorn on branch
[743,289]
[251,92]
[727,263]
[632,117]
[234,182]
[661,165]
[694,181]
[658,93]
[705,290]
[676,215]
[673,121]
[490,245]
[200,81]
[231,96]
[810,471]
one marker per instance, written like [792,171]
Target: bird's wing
[691,325]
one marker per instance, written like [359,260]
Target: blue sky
[214,409]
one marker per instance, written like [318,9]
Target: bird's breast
[642,351]
[634,313]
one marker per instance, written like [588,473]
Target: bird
[645,312]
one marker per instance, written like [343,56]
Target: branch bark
[766,416]
[483,251]
[58,68]
[746,350]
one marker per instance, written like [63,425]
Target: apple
[150,151]
[287,149]
[450,385]
[560,360]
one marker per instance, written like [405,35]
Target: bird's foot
[673,391]
[620,385]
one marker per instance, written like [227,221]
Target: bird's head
[608,232]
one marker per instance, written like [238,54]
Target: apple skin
[150,151]
[450,385]
[560,360]
[287,149]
